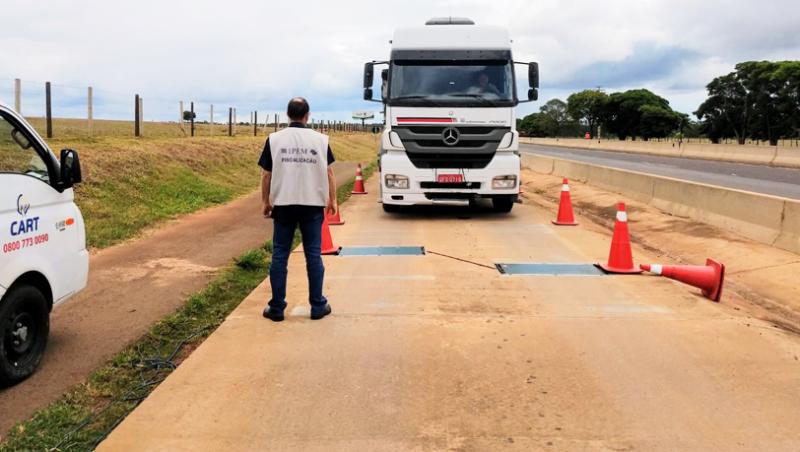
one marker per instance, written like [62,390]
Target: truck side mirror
[369,70]
[533,94]
[367,93]
[533,75]
[70,168]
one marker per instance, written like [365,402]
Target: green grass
[86,414]
[131,184]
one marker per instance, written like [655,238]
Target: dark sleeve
[266,157]
[331,158]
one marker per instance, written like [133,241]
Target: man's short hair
[297,109]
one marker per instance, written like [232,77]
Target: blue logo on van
[23,206]
[24,226]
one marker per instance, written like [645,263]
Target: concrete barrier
[767,219]
[764,155]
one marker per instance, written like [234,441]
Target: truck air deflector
[382,251]
[540,269]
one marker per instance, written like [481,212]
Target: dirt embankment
[761,275]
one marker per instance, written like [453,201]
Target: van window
[17,153]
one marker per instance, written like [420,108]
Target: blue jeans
[286,219]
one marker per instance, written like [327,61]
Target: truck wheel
[503,204]
[24,328]
[390,208]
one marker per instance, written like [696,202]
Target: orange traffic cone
[334,220]
[708,278]
[327,241]
[565,216]
[358,187]
[620,259]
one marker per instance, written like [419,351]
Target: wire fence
[62,110]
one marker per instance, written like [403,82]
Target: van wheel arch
[37,280]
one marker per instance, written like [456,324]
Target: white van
[43,260]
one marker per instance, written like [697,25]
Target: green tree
[556,116]
[759,99]
[588,107]
[624,114]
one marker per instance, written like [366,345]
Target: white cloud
[256,54]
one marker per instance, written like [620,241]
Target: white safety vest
[299,167]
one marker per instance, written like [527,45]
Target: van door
[34,217]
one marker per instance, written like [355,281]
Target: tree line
[758,100]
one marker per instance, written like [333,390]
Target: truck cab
[449,93]
[43,260]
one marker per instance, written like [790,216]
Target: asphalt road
[768,180]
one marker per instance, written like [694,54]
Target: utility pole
[18,95]
[48,110]
[89,112]
[191,117]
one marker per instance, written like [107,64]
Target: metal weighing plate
[549,269]
[382,251]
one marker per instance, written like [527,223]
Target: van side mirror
[70,168]
[533,75]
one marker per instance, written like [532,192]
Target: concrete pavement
[434,353]
[784,182]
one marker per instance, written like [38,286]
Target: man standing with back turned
[297,184]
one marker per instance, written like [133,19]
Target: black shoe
[273,314]
[321,313]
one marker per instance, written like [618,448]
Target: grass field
[132,183]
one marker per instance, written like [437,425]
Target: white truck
[44,260]
[449,95]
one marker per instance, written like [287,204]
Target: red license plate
[450,178]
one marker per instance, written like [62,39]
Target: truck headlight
[396,181]
[504,182]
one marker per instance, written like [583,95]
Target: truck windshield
[451,83]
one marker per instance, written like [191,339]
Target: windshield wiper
[475,96]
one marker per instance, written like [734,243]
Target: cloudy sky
[257,54]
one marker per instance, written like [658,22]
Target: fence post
[18,95]
[141,116]
[48,110]
[211,121]
[276,122]
[90,112]
[255,123]
[191,117]
[180,118]
[230,121]
[136,116]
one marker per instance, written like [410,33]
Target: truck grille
[426,148]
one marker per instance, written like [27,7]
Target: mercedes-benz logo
[450,136]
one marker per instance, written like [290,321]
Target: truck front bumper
[423,188]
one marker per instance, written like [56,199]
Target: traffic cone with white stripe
[334,220]
[358,187]
[565,215]
[326,246]
[708,278]
[620,258]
